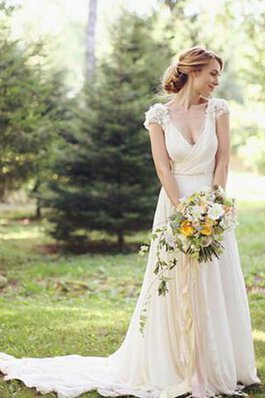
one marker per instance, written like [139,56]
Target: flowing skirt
[197,338]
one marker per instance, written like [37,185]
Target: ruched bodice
[186,158]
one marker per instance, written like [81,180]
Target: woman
[197,338]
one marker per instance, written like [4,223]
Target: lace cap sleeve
[222,107]
[155,114]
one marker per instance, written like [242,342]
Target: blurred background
[76,79]
[78,188]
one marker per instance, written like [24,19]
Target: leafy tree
[254,51]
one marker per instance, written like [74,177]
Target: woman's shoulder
[219,107]
[157,113]
[157,108]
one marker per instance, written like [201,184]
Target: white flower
[196,212]
[169,235]
[168,229]
[189,217]
[215,211]
[229,221]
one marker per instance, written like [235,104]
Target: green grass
[59,304]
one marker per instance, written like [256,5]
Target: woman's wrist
[175,204]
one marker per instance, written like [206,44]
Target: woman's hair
[190,60]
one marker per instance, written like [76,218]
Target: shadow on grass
[95,247]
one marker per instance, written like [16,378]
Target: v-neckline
[201,130]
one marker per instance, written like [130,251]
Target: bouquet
[195,228]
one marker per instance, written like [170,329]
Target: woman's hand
[175,204]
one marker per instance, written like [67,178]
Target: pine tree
[30,110]
[105,179]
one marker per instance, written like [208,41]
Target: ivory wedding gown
[197,339]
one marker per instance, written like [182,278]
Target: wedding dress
[197,338]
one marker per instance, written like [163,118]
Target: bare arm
[223,152]
[162,164]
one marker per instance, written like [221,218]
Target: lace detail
[159,113]
[156,114]
[220,107]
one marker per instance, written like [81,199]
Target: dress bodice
[187,158]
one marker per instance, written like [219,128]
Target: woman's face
[207,79]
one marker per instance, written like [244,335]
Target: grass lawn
[59,304]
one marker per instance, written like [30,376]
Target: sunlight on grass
[33,233]
[258,335]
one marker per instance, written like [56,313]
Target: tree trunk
[35,192]
[90,39]
[120,241]
[38,210]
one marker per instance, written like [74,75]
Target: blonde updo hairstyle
[193,59]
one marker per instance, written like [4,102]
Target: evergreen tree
[31,101]
[105,179]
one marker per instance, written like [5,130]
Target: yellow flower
[186,228]
[207,230]
[208,222]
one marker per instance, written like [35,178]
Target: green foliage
[31,102]
[254,65]
[253,152]
[105,175]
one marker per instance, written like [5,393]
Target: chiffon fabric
[197,339]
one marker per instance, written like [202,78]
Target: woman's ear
[194,74]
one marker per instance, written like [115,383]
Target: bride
[197,340]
